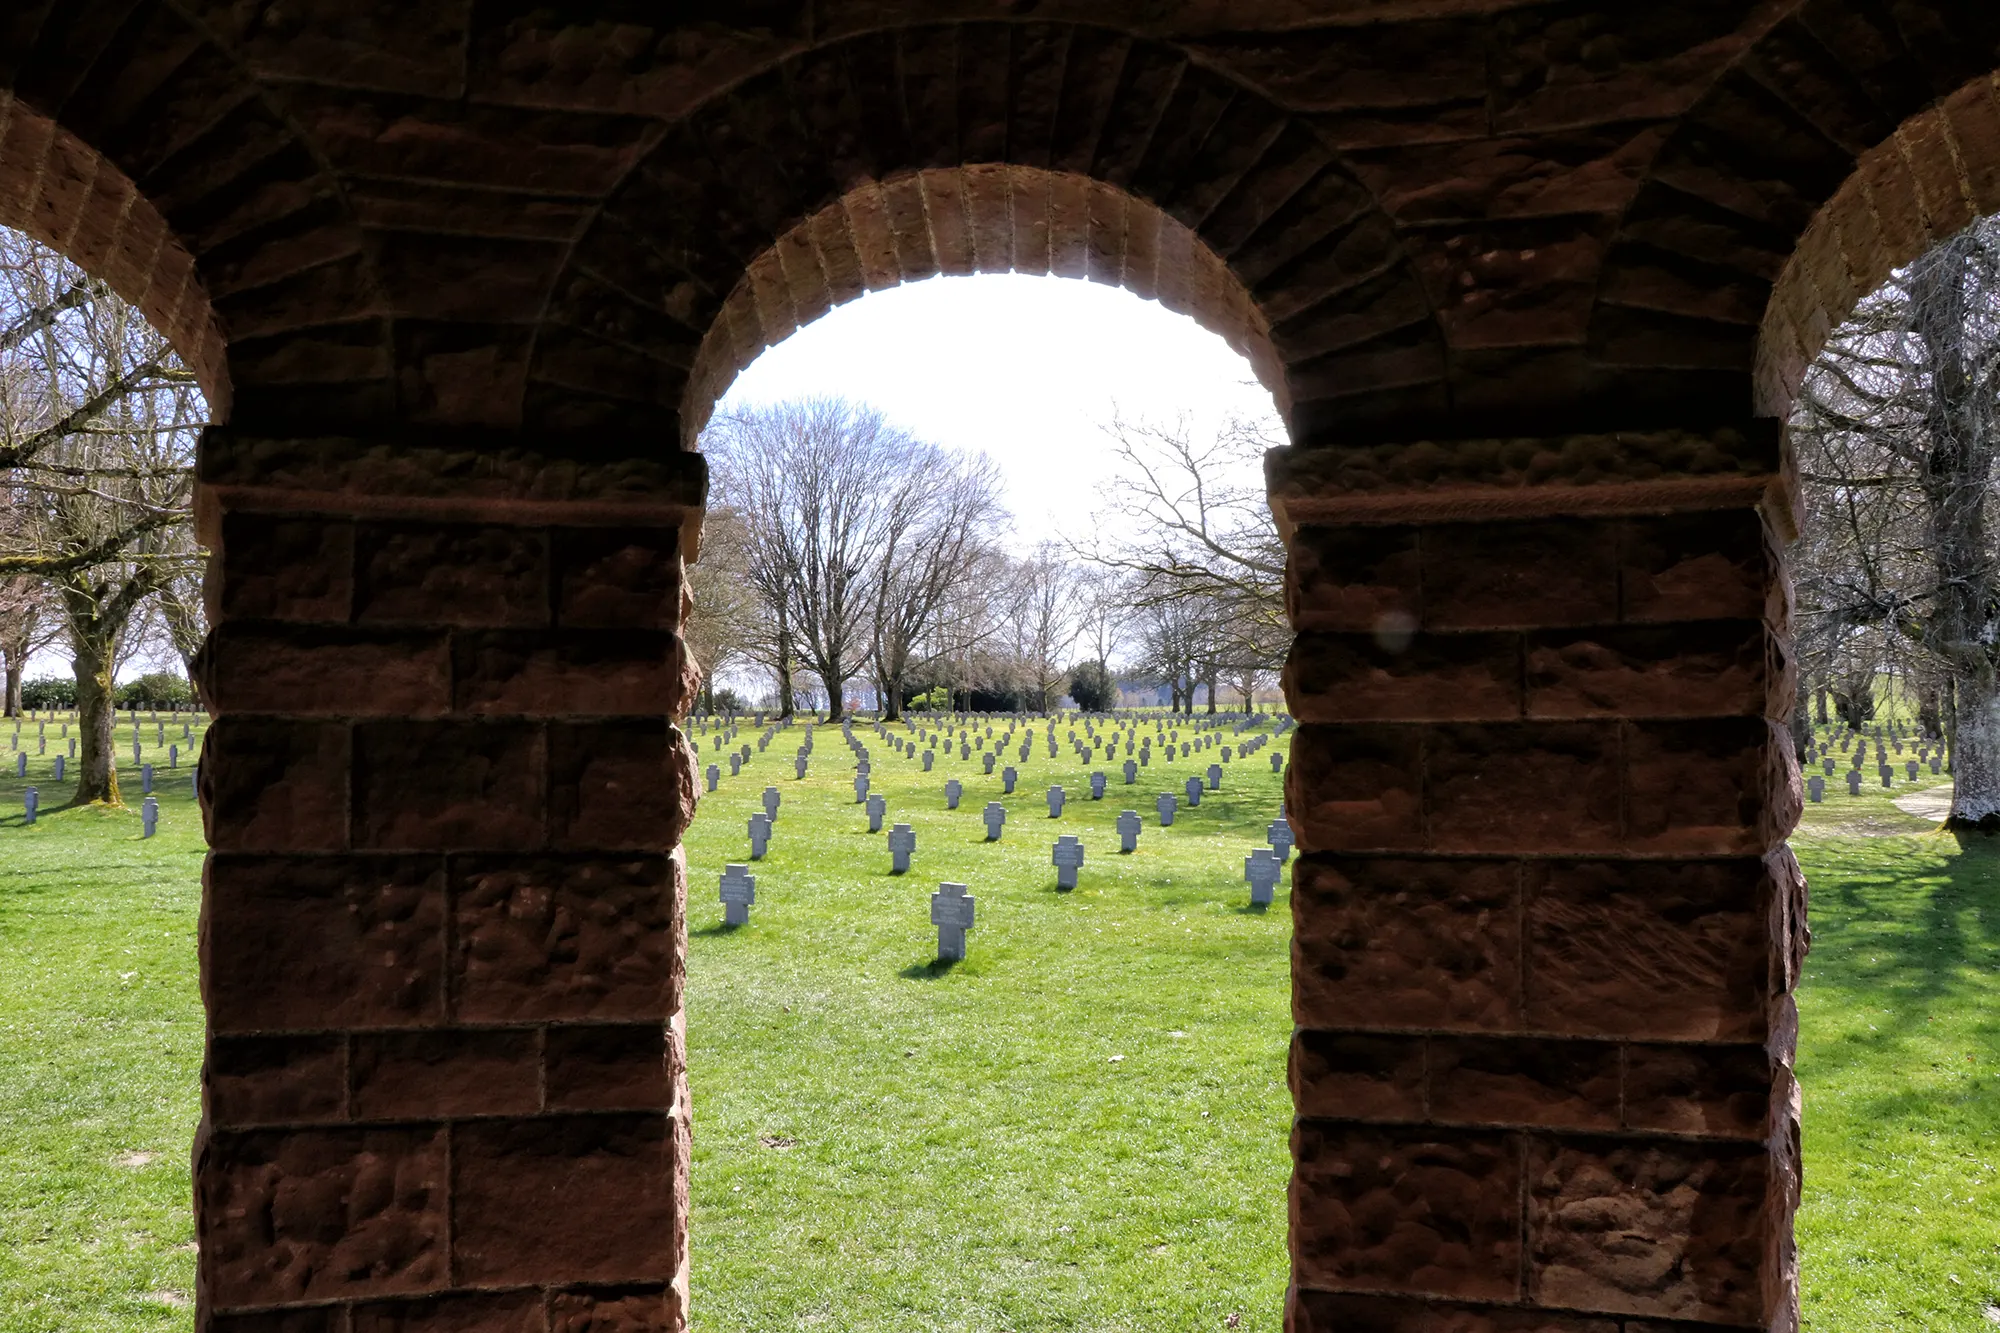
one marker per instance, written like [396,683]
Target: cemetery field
[1080,1127]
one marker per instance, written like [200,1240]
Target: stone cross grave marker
[739,891]
[31,801]
[928,756]
[1828,764]
[771,802]
[1910,765]
[1165,804]
[1853,782]
[1129,824]
[1936,764]
[1056,798]
[1007,779]
[1816,789]
[1193,792]
[1131,772]
[1097,786]
[952,791]
[145,779]
[1280,835]
[1225,754]
[860,788]
[149,816]
[1277,761]
[59,768]
[902,842]
[760,836]
[735,763]
[952,913]
[714,776]
[1261,869]
[996,819]
[988,757]
[1215,777]
[877,807]
[1068,858]
[799,765]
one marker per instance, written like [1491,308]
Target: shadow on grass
[931,971]
[719,928]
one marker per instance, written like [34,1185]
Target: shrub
[1092,688]
[155,689]
[48,692]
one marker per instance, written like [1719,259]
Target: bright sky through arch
[1022,368]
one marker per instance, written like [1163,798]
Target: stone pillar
[1546,927]
[442,934]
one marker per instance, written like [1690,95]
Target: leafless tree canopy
[1895,569]
[97,431]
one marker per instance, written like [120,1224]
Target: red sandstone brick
[606,1068]
[1665,950]
[274,786]
[1715,565]
[1714,1091]
[578,673]
[1687,1218]
[460,1312]
[445,1072]
[650,1308]
[1330,1312]
[319,942]
[1357,1076]
[1524,1081]
[1714,668]
[618,578]
[445,786]
[1357,579]
[1416,1210]
[1370,678]
[1503,575]
[1356,788]
[273,1080]
[1069,226]
[299,1215]
[1031,222]
[627,783]
[326,671]
[1383,943]
[273,568]
[1975,126]
[541,938]
[1547,787]
[1716,787]
[450,574]
[563,1199]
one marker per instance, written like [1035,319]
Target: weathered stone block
[1354,579]
[1665,1228]
[1339,1312]
[602,1188]
[449,785]
[1715,565]
[1425,677]
[274,786]
[267,1080]
[1357,1076]
[1720,787]
[445,1072]
[280,567]
[1664,950]
[1548,787]
[451,574]
[608,1068]
[628,783]
[1507,575]
[1714,668]
[1356,788]
[543,938]
[647,1308]
[1418,1210]
[1385,943]
[299,1215]
[325,671]
[1714,1091]
[1524,1081]
[459,1312]
[577,673]
[322,942]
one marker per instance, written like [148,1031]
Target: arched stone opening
[68,196]
[992,218]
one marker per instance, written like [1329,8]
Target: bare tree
[1045,614]
[1895,430]
[29,621]
[727,621]
[97,430]
[938,516]
[808,478]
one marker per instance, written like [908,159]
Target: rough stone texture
[464,279]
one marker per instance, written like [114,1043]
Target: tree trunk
[1930,721]
[16,668]
[1801,724]
[784,669]
[836,706]
[1819,704]
[96,716]
[1975,756]
[1214,679]
[892,699]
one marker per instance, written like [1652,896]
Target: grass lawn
[885,1144]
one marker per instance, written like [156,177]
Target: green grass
[885,1144]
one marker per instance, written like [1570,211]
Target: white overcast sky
[1024,369]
